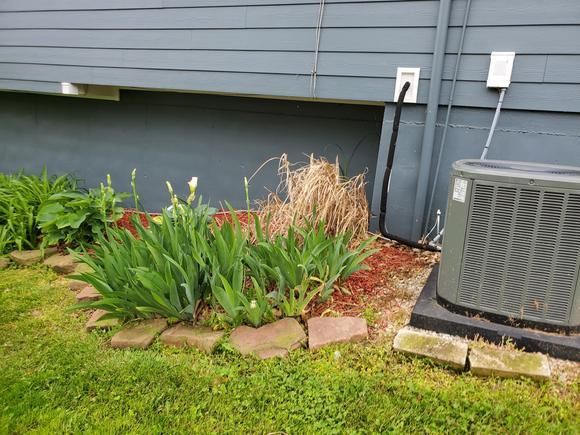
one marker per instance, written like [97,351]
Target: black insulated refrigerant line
[387,177]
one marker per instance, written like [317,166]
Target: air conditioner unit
[512,243]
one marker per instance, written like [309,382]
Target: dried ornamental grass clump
[317,189]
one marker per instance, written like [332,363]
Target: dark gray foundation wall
[531,136]
[171,136]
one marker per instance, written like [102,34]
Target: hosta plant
[76,217]
[21,196]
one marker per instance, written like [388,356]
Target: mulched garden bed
[385,293]
[126,220]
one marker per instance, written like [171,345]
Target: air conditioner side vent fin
[521,251]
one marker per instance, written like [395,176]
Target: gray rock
[443,349]
[323,331]
[489,361]
[140,335]
[202,338]
[272,340]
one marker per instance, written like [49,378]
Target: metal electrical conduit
[485,147]
[448,114]
[314,74]
[431,117]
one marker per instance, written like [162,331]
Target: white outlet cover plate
[500,69]
[411,75]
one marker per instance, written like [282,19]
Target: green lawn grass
[55,378]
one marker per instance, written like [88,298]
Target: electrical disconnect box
[410,75]
[500,69]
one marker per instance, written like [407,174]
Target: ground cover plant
[21,196]
[56,378]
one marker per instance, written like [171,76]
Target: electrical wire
[387,177]
[485,148]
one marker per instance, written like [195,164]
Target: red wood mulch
[126,220]
[390,263]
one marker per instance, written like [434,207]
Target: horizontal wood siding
[266,47]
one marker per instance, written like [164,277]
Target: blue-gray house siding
[268,48]
[169,136]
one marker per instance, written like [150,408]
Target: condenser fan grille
[521,252]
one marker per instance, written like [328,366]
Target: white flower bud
[192,184]
[169,187]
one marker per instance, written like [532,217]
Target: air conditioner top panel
[520,172]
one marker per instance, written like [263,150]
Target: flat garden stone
[444,349]
[88,293]
[96,321]
[202,338]
[4,262]
[140,335]
[488,361]
[30,257]
[271,352]
[272,340]
[75,284]
[323,331]
[63,264]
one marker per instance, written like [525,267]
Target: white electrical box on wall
[410,75]
[500,69]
